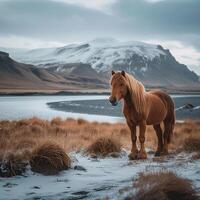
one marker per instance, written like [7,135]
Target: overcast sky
[175,24]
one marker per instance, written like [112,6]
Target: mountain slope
[16,75]
[151,64]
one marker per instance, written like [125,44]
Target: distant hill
[15,75]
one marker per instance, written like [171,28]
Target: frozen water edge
[104,177]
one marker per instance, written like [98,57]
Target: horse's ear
[113,72]
[123,73]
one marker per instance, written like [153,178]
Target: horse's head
[119,87]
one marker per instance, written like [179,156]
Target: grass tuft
[192,144]
[163,186]
[56,121]
[104,146]
[13,164]
[49,158]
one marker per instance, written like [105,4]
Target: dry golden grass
[49,158]
[192,144]
[104,146]
[18,139]
[72,135]
[162,186]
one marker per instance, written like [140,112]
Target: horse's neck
[130,110]
[128,102]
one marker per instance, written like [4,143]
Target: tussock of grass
[196,156]
[49,158]
[13,164]
[56,121]
[192,144]
[81,121]
[104,146]
[163,186]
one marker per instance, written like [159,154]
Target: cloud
[27,42]
[67,21]
[92,4]
[54,21]
[169,18]
[78,19]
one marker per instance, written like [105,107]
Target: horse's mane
[137,93]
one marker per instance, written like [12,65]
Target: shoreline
[24,92]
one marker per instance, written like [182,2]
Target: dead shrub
[196,156]
[104,146]
[4,123]
[25,143]
[13,164]
[163,186]
[21,123]
[36,129]
[124,131]
[81,121]
[56,121]
[90,129]
[49,158]
[38,122]
[58,130]
[192,144]
[187,130]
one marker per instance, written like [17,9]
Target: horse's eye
[121,84]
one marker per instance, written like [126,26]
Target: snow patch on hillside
[101,53]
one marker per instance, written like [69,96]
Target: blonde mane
[137,93]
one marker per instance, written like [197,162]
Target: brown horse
[143,108]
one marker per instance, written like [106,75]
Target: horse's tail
[171,127]
[170,119]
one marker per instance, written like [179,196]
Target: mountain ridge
[149,63]
[15,75]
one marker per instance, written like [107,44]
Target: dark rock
[9,185]
[80,168]
[188,106]
[114,154]
[36,187]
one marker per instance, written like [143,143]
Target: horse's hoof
[133,156]
[142,155]
[164,153]
[157,154]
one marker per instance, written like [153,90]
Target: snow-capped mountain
[149,63]
[99,53]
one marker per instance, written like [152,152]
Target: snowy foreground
[94,178]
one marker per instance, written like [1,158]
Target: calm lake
[89,107]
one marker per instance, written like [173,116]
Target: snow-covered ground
[101,177]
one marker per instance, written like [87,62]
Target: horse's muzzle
[113,101]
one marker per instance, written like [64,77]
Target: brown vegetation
[13,164]
[162,186]
[104,146]
[49,158]
[192,144]
[17,137]
[73,134]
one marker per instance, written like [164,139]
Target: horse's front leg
[142,152]
[134,151]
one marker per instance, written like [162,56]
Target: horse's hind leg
[167,135]
[158,131]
